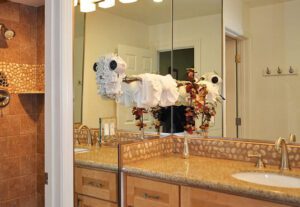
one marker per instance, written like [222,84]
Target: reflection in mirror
[128,31]
[197,43]
[261,72]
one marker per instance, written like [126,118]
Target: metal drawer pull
[155,197]
[97,185]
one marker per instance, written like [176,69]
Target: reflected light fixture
[128,1]
[90,5]
[87,6]
[107,4]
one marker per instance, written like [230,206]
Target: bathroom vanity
[167,179]
[142,191]
[96,177]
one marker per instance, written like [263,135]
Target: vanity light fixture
[128,1]
[107,4]
[87,6]
[158,1]
[90,5]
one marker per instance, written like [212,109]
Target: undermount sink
[80,150]
[269,179]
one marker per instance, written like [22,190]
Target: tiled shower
[22,120]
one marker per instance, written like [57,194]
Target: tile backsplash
[208,147]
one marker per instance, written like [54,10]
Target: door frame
[59,103]
[242,83]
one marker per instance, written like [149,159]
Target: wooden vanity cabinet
[147,193]
[142,192]
[95,188]
[195,197]
[85,201]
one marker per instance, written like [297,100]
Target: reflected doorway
[232,59]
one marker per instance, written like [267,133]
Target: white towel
[170,92]
[109,81]
[150,91]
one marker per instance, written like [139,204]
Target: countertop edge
[100,166]
[230,189]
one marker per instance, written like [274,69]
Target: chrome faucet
[281,147]
[89,137]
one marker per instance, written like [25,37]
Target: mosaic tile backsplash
[209,147]
[20,78]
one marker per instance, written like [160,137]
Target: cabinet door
[85,201]
[147,193]
[194,197]
[94,183]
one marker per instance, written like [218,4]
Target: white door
[139,60]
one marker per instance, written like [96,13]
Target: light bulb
[128,1]
[107,4]
[87,6]
[158,1]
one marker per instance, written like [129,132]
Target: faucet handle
[259,163]
[292,138]
[278,143]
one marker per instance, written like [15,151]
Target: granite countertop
[105,158]
[214,174]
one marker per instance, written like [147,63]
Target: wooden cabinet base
[147,193]
[96,183]
[194,197]
[85,201]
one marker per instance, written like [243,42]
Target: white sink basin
[80,150]
[269,179]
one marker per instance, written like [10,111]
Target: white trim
[59,104]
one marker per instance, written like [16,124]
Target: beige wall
[274,41]
[104,32]
[235,16]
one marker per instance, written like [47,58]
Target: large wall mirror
[261,83]
[144,35]
[129,31]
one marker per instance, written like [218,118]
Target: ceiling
[35,3]
[256,3]
[152,13]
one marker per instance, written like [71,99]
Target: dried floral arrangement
[197,104]
[139,117]
[156,113]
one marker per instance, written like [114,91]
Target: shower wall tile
[22,121]
[10,11]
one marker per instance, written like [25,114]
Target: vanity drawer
[95,183]
[85,201]
[194,197]
[148,193]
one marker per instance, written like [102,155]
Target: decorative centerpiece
[147,93]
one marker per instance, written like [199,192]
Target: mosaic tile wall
[146,149]
[121,136]
[213,148]
[237,150]
[20,78]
